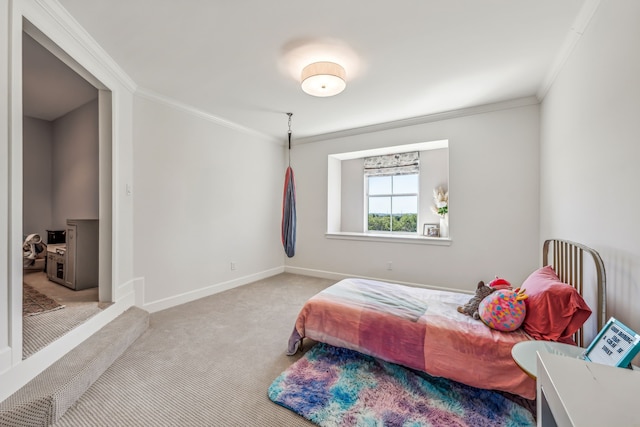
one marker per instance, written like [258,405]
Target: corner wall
[590,151]
[206,196]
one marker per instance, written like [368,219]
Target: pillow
[503,310]
[555,310]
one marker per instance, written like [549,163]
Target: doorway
[66,169]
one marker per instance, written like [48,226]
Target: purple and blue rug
[334,387]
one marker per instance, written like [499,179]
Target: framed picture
[431,230]
[615,345]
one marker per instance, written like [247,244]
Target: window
[386,193]
[392,192]
[392,202]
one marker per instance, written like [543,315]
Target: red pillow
[555,310]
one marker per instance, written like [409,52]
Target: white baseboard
[172,301]
[339,276]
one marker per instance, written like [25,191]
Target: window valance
[392,164]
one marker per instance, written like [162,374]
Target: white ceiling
[241,60]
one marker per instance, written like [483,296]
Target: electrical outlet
[390,265]
[233,266]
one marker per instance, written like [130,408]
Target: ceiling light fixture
[323,79]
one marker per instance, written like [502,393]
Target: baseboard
[162,304]
[339,276]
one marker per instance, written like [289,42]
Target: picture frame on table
[431,230]
[615,345]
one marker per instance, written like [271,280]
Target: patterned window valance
[392,164]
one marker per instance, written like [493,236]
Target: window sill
[389,238]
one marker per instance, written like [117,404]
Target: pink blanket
[415,327]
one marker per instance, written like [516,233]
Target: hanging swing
[289,206]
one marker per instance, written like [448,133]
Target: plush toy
[500,283]
[471,307]
[503,310]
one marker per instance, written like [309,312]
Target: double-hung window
[392,188]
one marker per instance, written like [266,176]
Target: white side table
[525,353]
[578,393]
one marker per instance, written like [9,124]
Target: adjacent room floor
[42,329]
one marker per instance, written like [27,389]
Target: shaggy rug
[333,386]
[35,302]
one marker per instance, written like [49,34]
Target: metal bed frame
[567,259]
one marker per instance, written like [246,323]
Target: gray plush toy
[471,308]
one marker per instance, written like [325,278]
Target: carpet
[334,387]
[35,302]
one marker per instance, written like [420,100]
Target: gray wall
[60,175]
[75,165]
[37,176]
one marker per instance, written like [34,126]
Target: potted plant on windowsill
[441,208]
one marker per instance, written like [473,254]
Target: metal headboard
[568,263]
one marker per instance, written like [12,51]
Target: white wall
[493,183]
[206,196]
[352,196]
[37,176]
[75,165]
[590,149]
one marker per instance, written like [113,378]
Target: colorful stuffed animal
[500,283]
[504,310]
[471,307]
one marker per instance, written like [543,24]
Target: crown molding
[578,28]
[189,109]
[430,118]
[73,29]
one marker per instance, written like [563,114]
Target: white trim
[173,103]
[73,29]
[15,183]
[5,140]
[126,290]
[185,297]
[5,360]
[571,40]
[48,19]
[390,238]
[418,146]
[138,289]
[340,276]
[436,117]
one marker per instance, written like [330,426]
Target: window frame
[335,208]
[391,195]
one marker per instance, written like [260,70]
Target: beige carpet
[205,363]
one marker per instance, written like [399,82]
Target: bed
[421,328]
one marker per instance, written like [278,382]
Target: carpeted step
[45,399]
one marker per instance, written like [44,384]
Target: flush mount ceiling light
[323,79]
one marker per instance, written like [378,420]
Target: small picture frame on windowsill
[431,230]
